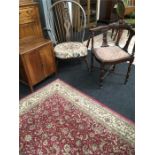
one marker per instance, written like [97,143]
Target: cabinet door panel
[47,59]
[34,66]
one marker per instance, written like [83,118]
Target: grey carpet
[114,94]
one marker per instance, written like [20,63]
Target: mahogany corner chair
[112,55]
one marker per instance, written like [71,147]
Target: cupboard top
[32,43]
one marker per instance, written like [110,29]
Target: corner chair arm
[99,28]
[102,28]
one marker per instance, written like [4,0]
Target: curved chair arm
[100,28]
[111,26]
[104,28]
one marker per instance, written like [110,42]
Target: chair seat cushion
[110,54]
[70,50]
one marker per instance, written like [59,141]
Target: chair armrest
[111,26]
[99,28]
[104,27]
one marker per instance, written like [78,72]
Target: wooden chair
[69,21]
[112,55]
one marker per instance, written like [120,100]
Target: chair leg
[86,61]
[116,35]
[101,75]
[112,33]
[128,72]
[92,62]
[113,68]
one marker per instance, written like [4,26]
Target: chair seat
[110,54]
[70,50]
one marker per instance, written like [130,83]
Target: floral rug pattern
[59,120]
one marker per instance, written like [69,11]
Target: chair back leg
[101,75]
[128,72]
[92,62]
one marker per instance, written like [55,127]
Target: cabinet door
[48,60]
[34,66]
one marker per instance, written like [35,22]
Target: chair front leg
[128,72]
[112,33]
[113,68]
[116,34]
[101,75]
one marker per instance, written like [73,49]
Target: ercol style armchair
[69,21]
[112,55]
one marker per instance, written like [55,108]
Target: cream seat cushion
[70,50]
[109,54]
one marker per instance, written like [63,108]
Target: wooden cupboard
[36,56]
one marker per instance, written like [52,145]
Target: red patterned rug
[60,120]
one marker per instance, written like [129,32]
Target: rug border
[83,93]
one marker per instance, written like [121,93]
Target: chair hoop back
[69,19]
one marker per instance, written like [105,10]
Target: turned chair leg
[86,61]
[128,72]
[113,68]
[101,75]
[92,62]
[115,35]
[112,33]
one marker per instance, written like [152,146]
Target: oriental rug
[60,120]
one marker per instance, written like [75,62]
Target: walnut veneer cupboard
[36,56]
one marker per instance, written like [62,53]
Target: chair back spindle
[104,39]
